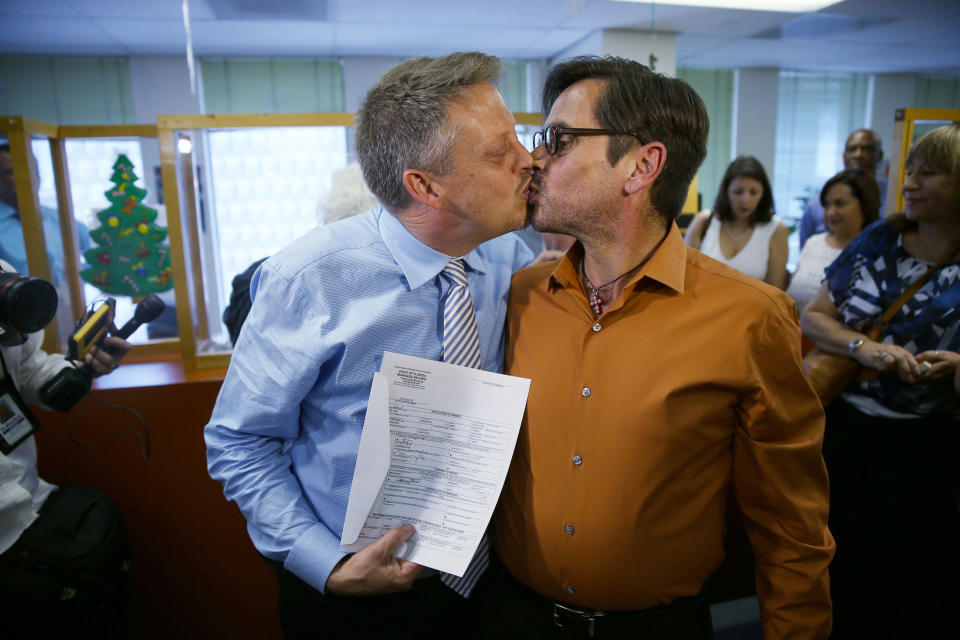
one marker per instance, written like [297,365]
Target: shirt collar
[667,266]
[418,262]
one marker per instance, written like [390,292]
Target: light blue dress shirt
[285,431]
[13,249]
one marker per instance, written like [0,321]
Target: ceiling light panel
[786,6]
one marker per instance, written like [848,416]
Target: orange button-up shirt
[638,421]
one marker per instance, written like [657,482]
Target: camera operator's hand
[106,356]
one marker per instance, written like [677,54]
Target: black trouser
[429,610]
[893,513]
[515,611]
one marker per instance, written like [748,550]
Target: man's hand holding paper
[376,569]
[436,445]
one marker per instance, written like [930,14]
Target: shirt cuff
[313,556]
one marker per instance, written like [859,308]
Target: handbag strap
[915,286]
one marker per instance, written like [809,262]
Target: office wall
[196,573]
[890,92]
[755,114]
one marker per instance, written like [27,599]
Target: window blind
[815,114]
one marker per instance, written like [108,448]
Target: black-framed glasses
[550,136]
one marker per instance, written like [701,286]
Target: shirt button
[568,529]
[577,460]
[570,588]
[585,392]
[597,327]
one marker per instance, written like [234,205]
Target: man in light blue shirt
[12,246]
[437,146]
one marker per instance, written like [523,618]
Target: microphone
[149,307]
[69,385]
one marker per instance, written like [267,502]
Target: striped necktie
[461,345]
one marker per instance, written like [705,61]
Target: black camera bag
[70,571]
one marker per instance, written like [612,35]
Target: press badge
[16,421]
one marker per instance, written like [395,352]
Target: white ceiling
[870,36]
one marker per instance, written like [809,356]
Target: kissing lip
[532,188]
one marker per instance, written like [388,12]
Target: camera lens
[27,304]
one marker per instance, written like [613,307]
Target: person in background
[741,230]
[861,151]
[851,202]
[348,196]
[891,443]
[659,378]
[12,246]
[438,147]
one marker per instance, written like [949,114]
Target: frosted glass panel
[265,185]
[90,166]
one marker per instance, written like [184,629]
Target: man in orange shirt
[659,377]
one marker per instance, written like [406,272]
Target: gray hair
[348,195]
[402,123]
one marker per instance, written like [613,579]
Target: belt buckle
[587,616]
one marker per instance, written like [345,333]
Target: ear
[422,187]
[646,165]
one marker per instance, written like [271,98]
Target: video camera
[28,304]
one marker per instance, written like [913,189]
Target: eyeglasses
[550,136]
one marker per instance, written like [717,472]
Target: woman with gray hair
[348,195]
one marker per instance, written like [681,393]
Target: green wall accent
[272,85]
[715,87]
[67,90]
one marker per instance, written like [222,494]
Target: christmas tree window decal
[128,257]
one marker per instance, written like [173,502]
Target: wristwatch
[855,344]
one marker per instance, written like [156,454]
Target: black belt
[592,623]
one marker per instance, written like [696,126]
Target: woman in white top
[741,230]
[851,201]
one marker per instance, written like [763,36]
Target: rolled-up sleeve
[780,481]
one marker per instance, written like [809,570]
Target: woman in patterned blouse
[891,441]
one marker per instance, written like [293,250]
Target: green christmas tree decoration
[129,257]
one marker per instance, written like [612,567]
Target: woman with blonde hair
[891,439]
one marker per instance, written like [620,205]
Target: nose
[524,158]
[909,181]
[540,156]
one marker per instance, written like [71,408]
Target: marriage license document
[435,449]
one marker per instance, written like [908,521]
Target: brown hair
[745,167]
[865,189]
[651,105]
